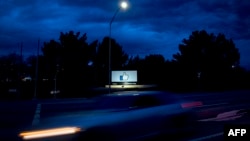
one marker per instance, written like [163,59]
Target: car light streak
[192,104]
[48,133]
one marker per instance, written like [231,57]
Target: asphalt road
[17,114]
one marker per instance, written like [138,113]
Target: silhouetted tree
[10,67]
[40,82]
[69,61]
[153,69]
[74,61]
[134,63]
[10,73]
[118,58]
[207,57]
[31,63]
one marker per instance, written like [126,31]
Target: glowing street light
[123,5]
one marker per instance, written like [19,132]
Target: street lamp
[123,5]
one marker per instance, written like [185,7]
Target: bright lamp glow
[124,5]
[48,133]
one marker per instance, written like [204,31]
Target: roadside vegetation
[74,67]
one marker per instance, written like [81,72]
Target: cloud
[145,27]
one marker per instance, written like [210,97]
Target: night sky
[146,27]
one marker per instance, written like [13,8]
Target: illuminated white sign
[124,76]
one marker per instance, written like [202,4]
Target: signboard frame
[124,76]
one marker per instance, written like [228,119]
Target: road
[17,114]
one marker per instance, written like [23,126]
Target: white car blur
[123,116]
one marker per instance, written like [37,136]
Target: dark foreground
[17,114]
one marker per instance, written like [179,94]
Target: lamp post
[123,5]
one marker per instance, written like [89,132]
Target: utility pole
[36,77]
[20,71]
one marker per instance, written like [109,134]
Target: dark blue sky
[146,27]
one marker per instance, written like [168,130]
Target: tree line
[72,65]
